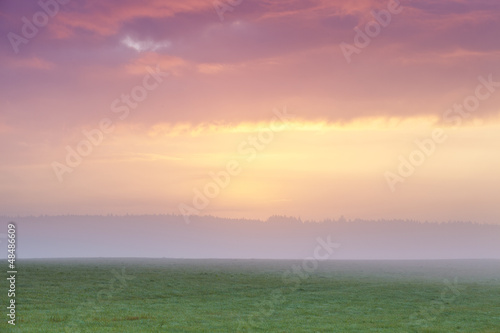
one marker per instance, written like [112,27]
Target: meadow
[176,295]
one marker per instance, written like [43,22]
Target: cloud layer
[69,65]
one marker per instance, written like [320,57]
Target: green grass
[163,295]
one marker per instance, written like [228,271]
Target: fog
[170,236]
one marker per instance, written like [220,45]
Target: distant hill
[277,238]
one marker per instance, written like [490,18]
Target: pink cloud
[106,18]
[171,64]
[30,63]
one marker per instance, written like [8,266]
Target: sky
[246,109]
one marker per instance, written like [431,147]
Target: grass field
[167,295]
